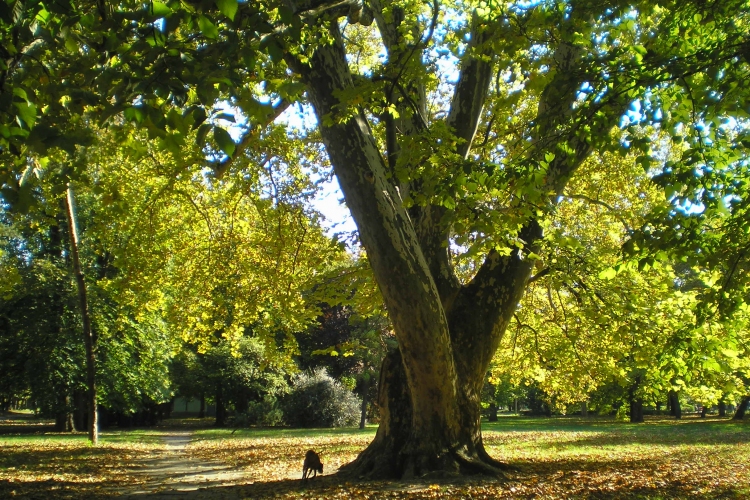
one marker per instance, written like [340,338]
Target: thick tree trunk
[88,335]
[584,409]
[636,410]
[492,414]
[399,452]
[741,408]
[430,389]
[722,408]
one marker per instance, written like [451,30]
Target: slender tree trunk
[741,408]
[88,336]
[674,402]
[220,409]
[60,420]
[363,415]
[584,409]
[79,410]
[202,410]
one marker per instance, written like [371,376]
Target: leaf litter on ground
[555,459]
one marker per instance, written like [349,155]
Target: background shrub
[318,400]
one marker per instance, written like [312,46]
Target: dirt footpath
[172,473]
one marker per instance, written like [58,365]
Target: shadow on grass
[75,460]
[615,479]
[608,433]
[331,487]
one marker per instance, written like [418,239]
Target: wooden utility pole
[88,336]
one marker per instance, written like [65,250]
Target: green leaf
[200,137]
[711,365]
[228,8]
[607,274]
[27,113]
[275,51]
[207,27]
[286,15]
[160,9]
[19,92]
[224,141]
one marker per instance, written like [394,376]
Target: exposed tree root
[380,461]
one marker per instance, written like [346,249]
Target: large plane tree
[453,129]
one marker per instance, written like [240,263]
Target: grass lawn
[555,458]
[38,463]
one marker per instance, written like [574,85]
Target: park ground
[552,458]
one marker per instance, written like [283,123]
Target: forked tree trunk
[430,389]
[88,335]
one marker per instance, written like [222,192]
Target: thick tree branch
[473,85]
[463,119]
[541,274]
[484,307]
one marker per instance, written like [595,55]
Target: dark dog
[312,464]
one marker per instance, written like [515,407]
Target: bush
[318,400]
[265,413]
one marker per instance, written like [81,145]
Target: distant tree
[233,375]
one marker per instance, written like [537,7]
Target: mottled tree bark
[448,332]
